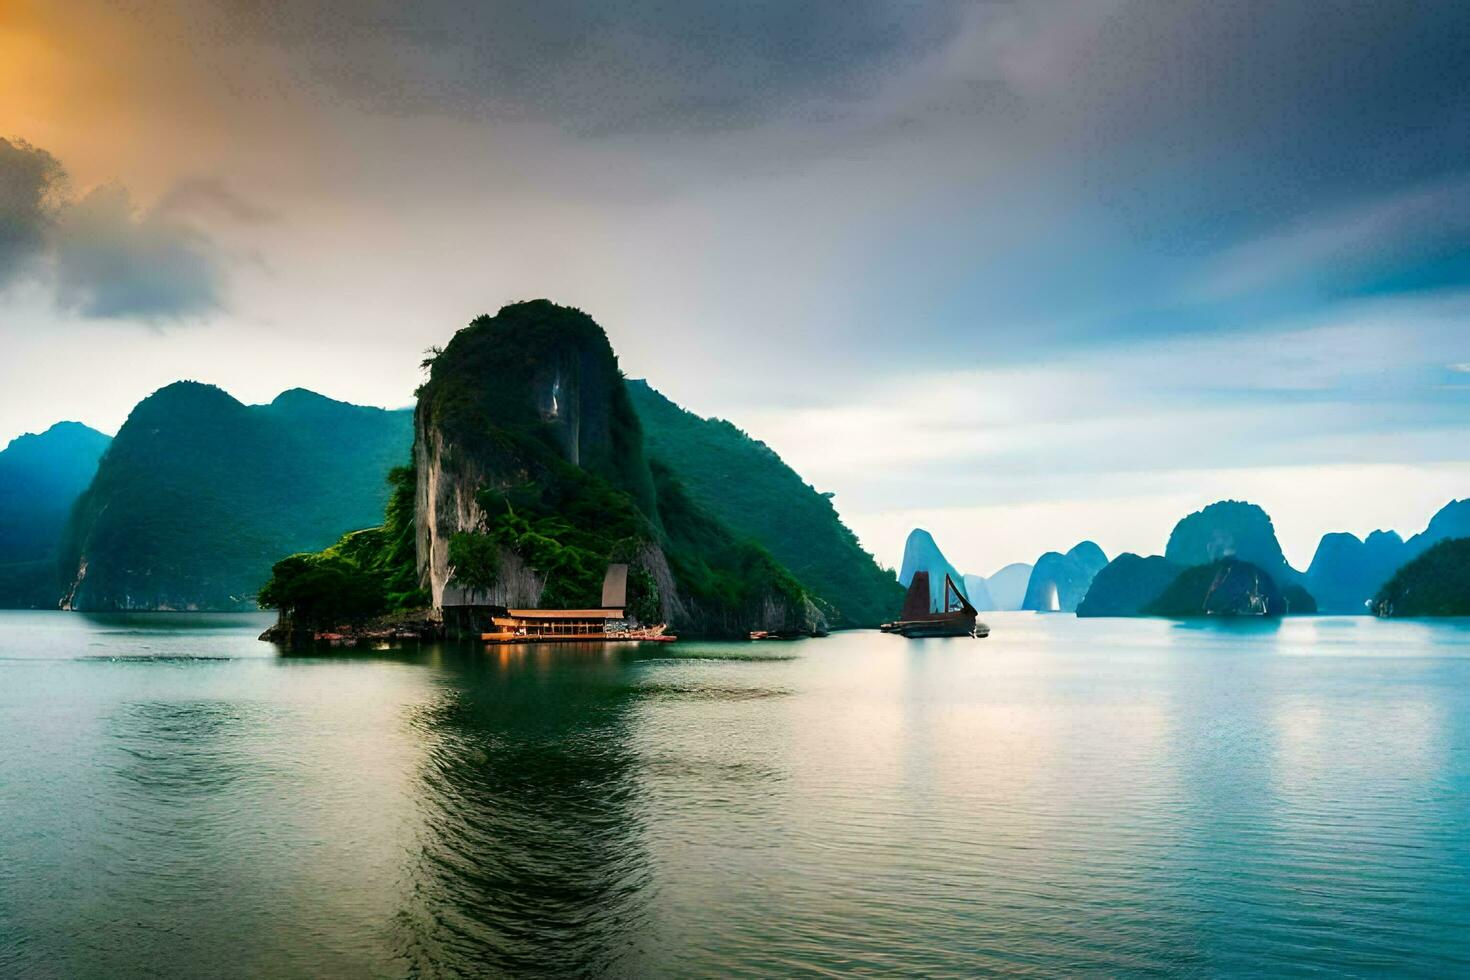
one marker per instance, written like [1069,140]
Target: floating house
[608,622]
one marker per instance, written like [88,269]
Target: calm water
[1067,796]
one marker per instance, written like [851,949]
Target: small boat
[919,619]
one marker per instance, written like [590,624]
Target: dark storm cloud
[1116,144]
[1305,152]
[113,262]
[105,257]
[590,65]
[1231,113]
[30,182]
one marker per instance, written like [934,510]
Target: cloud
[210,196]
[106,257]
[1415,230]
[30,184]
[115,262]
[1353,384]
[589,65]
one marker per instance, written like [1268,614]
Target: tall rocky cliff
[532,476]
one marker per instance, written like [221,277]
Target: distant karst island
[1225,560]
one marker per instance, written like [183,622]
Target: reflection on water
[529,858]
[1067,796]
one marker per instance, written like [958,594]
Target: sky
[1021,273]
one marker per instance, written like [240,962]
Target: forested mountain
[1436,583]
[531,477]
[1229,587]
[1346,573]
[41,476]
[199,494]
[1222,560]
[1230,529]
[745,484]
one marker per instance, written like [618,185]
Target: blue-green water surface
[1065,797]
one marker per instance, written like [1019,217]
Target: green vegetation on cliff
[1437,583]
[365,574]
[530,409]
[1230,529]
[538,385]
[745,484]
[199,495]
[1229,587]
[731,577]
[526,415]
[566,525]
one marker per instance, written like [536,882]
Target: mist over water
[1065,796]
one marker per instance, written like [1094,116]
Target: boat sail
[919,618]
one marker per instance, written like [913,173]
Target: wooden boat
[607,623]
[569,626]
[956,617]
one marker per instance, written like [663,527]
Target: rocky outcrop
[922,554]
[1059,582]
[449,479]
[1127,585]
[1346,572]
[527,447]
[1229,587]
[1229,529]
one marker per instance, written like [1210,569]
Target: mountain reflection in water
[530,856]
